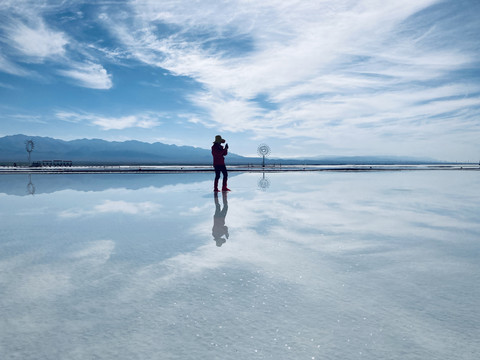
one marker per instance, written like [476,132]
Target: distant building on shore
[50,163]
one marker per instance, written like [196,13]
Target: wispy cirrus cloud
[37,42]
[10,67]
[145,120]
[89,75]
[30,39]
[294,69]
[290,42]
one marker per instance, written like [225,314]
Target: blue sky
[309,78]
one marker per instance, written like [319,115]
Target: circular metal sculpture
[29,146]
[263,150]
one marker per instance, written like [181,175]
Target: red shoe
[226,189]
[216,190]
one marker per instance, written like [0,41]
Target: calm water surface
[374,265]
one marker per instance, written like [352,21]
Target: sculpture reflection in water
[263,183]
[30,185]
[219,229]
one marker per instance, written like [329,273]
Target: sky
[308,78]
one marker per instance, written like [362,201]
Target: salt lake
[293,265]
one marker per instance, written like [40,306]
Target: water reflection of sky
[317,266]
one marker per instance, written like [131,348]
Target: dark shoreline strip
[141,170]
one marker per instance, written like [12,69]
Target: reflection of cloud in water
[341,221]
[109,206]
[33,277]
[42,282]
[323,265]
[339,224]
[126,207]
[97,252]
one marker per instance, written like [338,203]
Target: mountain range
[96,151]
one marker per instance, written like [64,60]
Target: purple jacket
[218,152]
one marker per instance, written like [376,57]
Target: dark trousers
[221,169]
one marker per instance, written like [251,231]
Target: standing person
[218,153]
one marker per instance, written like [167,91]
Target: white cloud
[292,42]
[146,120]
[90,75]
[10,67]
[37,41]
[317,63]
[235,113]
[34,40]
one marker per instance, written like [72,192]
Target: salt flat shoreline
[165,169]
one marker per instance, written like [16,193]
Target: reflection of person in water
[219,229]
